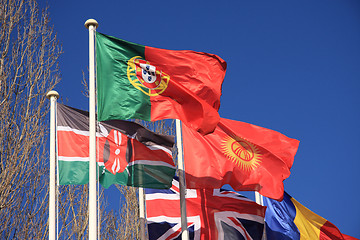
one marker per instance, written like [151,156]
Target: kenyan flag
[128,154]
[135,81]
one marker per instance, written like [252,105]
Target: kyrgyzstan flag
[141,82]
[245,156]
[127,153]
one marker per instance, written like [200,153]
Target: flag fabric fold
[141,82]
[127,153]
[245,156]
[289,219]
[211,214]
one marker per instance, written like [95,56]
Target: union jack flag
[211,214]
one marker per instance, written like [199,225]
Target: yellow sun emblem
[243,153]
[145,77]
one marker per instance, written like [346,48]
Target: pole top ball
[52,93]
[91,22]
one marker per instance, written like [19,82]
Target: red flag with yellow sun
[245,156]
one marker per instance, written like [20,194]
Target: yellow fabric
[307,222]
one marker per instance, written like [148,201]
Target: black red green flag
[128,153]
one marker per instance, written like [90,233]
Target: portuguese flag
[141,82]
[128,154]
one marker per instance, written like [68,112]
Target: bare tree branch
[29,53]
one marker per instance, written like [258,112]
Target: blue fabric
[279,219]
[210,213]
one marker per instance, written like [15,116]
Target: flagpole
[92,24]
[142,213]
[52,96]
[182,184]
[260,200]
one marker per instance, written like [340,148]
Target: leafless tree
[29,53]
[116,223]
[124,223]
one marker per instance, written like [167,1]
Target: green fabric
[147,176]
[73,172]
[107,178]
[117,97]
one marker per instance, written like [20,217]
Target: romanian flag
[289,219]
[141,82]
[245,156]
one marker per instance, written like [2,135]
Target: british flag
[211,214]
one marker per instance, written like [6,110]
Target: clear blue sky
[293,66]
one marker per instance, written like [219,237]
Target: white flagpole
[92,24]
[142,213]
[182,184]
[53,96]
[260,200]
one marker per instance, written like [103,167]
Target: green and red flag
[245,156]
[127,153]
[141,82]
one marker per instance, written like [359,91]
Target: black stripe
[129,150]
[72,117]
[78,119]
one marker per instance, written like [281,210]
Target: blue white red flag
[211,214]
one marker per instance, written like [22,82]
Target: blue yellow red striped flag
[289,219]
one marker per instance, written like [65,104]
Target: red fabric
[347,237]
[116,150]
[330,232]
[212,206]
[66,142]
[194,89]
[68,139]
[144,153]
[248,157]
[112,151]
